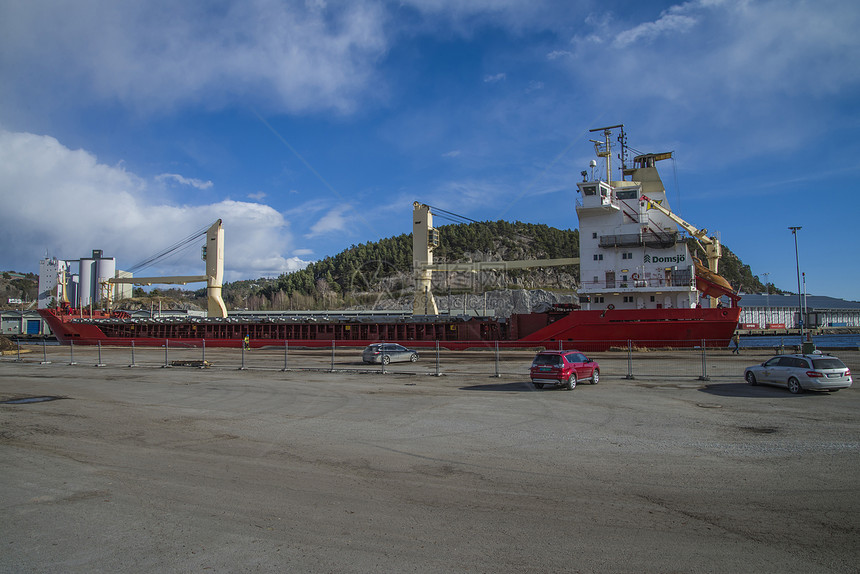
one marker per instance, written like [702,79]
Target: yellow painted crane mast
[213,254]
[709,280]
[710,245]
[425,238]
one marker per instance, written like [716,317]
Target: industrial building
[784,312]
[80,282]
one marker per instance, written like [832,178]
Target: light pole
[794,231]
[767,320]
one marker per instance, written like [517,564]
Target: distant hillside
[14,285]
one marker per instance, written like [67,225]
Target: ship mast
[604,148]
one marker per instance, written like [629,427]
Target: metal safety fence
[617,359]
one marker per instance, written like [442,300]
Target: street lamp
[799,296]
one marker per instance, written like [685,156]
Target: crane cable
[451,216]
[167,252]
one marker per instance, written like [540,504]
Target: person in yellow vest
[246,343]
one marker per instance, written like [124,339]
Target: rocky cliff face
[501,303]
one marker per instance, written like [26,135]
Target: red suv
[563,368]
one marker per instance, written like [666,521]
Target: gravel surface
[222,470]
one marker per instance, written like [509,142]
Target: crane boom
[710,245]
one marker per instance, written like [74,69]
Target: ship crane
[213,254]
[425,238]
[708,280]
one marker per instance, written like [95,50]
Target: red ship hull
[586,330]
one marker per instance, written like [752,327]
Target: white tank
[105,269]
[86,274]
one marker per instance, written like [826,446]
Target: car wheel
[413,357]
[794,386]
[751,378]
[386,359]
[538,385]
[595,377]
[570,384]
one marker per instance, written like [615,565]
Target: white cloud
[333,221]
[258,196]
[752,71]
[289,56]
[452,153]
[75,204]
[534,86]
[199,184]
[556,54]
[673,20]
[495,78]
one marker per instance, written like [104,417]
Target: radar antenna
[604,148]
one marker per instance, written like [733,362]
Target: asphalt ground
[181,469]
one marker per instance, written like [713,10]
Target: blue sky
[312,126]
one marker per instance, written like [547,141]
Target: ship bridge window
[589,190]
[626,194]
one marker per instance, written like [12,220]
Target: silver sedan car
[801,372]
[388,353]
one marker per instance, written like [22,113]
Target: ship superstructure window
[594,235]
[628,299]
[598,257]
[626,256]
[627,194]
[589,190]
[598,299]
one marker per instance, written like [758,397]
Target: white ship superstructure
[631,257]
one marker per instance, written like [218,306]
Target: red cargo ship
[639,283]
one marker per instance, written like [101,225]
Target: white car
[388,353]
[798,373]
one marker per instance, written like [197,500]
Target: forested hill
[387,264]
[358,274]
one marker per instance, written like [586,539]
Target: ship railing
[651,239]
[637,283]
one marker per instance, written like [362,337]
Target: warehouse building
[784,312]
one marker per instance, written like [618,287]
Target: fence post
[203,343]
[438,372]
[629,360]
[133,364]
[332,356]
[560,345]
[18,343]
[166,346]
[242,368]
[497,375]
[100,364]
[286,347]
[382,358]
[72,352]
[45,360]
[704,376]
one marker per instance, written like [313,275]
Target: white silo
[86,274]
[106,269]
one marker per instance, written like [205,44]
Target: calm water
[821,341]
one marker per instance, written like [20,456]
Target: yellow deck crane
[709,280]
[213,254]
[425,238]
